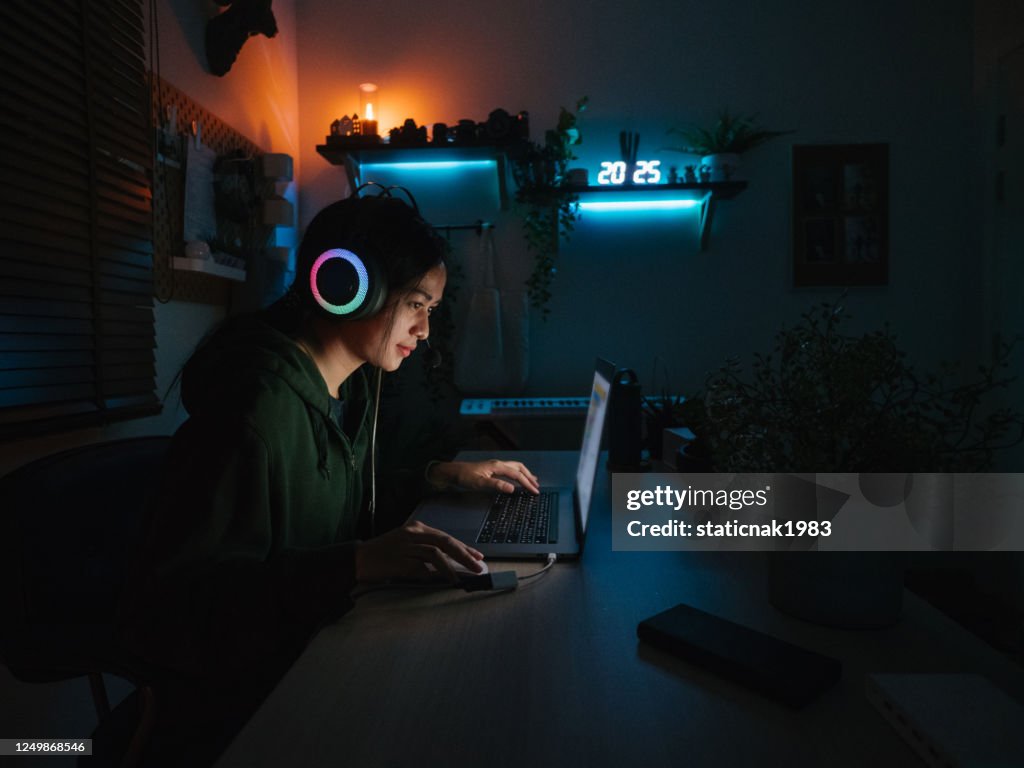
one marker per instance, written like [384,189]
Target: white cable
[552,557]
[373,457]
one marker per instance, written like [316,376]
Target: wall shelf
[209,267]
[704,194]
[354,157]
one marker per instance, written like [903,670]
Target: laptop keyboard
[521,518]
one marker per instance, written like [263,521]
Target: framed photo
[841,214]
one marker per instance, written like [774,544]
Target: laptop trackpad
[458,514]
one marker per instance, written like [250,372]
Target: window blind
[77,337]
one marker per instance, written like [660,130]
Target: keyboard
[524,407]
[521,518]
[527,407]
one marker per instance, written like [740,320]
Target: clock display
[615,171]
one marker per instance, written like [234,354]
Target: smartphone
[773,667]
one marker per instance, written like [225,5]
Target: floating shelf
[704,194]
[209,267]
[723,190]
[353,157]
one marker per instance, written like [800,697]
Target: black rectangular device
[766,664]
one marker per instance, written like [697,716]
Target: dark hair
[382,228]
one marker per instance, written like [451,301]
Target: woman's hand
[493,475]
[403,553]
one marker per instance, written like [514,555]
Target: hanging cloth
[492,354]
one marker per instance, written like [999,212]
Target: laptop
[521,525]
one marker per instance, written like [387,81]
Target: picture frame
[840,215]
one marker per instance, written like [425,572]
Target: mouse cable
[552,557]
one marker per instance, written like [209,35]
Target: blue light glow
[599,206]
[434,165]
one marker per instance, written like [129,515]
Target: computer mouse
[459,568]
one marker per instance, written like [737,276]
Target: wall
[634,291]
[259,98]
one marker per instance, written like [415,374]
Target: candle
[369,107]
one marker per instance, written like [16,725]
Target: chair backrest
[70,524]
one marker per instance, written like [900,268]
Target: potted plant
[548,206]
[825,401]
[721,145]
[665,411]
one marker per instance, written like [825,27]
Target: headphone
[348,284]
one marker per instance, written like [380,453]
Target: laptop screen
[591,450]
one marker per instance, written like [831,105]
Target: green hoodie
[252,544]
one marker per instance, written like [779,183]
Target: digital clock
[615,171]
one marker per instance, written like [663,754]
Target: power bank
[780,670]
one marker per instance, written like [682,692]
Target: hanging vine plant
[548,206]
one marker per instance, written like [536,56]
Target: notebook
[517,525]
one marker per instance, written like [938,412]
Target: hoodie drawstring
[320,435]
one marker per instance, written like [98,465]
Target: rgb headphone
[350,282]
[346,285]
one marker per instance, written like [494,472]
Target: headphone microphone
[433,356]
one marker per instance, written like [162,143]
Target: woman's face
[390,336]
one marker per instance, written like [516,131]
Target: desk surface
[553,674]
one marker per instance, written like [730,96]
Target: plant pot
[722,167]
[848,590]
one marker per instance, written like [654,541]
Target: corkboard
[169,196]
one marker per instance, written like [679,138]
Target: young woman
[264,522]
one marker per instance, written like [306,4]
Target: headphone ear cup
[347,285]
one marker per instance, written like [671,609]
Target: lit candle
[369,103]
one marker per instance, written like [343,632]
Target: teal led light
[599,206]
[433,165]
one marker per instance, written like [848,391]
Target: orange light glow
[368,100]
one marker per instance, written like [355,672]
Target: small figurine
[690,174]
[523,125]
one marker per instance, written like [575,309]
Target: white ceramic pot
[723,167]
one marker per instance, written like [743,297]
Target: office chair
[69,526]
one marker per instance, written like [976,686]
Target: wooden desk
[553,675]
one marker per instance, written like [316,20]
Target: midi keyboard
[523,407]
